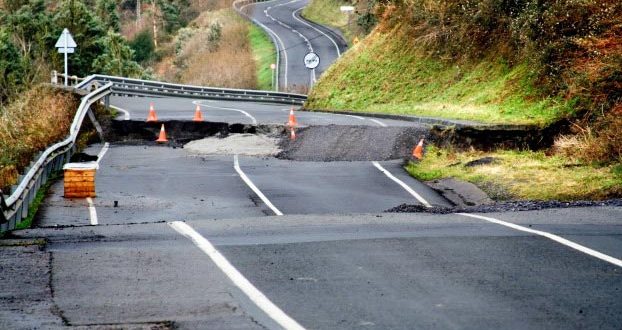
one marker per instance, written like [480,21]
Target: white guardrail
[14,208]
[137,87]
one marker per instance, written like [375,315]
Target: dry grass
[523,175]
[228,62]
[29,125]
[602,143]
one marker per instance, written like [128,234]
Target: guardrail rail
[137,87]
[14,208]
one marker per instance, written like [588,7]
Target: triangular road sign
[65,36]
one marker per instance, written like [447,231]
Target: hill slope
[489,61]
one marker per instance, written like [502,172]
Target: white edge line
[92,211]
[378,122]
[318,30]
[550,236]
[276,36]
[253,119]
[126,114]
[401,183]
[236,165]
[103,152]
[236,277]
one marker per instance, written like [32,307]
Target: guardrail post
[107,102]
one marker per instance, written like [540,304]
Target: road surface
[186,241]
[295,37]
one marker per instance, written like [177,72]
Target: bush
[143,47]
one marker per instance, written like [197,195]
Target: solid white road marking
[353,116]
[126,114]
[256,296]
[92,211]
[103,152]
[401,183]
[254,121]
[318,30]
[236,165]
[283,49]
[89,200]
[550,236]
[378,122]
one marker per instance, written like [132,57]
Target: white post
[66,70]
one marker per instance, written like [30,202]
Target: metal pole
[66,71]
[273,87]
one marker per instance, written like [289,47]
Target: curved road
[184,241]
[295,37]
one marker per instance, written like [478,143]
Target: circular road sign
[312,60]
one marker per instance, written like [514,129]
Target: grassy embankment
[30,124]
[221,49]
[264,54]
[387,74]
[476,62]
[328,13]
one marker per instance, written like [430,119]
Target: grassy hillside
[490,61]
[388,73]
[39,118]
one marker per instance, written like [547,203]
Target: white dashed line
[256,296]
[401,183]
[253,119]
[550,236]
[92,211]
[318,30]
[236,165]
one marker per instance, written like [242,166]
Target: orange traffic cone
[198,116]
[418,150]
[292,134]
[292,119]
[152,114]
[162,137]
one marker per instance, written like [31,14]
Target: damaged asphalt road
[307,229]
[397,271]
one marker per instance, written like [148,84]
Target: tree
[11,70]
[107,12]
[116,58]
[143,46]
[87,30]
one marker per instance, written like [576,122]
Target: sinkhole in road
[312,143]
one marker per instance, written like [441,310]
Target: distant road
[295,37]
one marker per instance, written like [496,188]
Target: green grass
[387,75]
[264,54]
[327,12]
[524,175]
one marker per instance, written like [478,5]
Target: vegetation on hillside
[39,118]
[523,61]
[214,50]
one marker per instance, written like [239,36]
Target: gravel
[351,143]
[504,207]
[241,144]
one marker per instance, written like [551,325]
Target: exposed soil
[351,143]
[504,207]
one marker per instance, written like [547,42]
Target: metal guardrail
[14,208]
[136,87]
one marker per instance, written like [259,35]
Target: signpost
[66,45]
